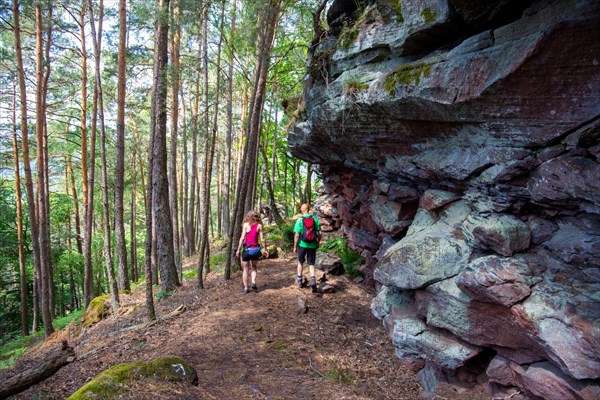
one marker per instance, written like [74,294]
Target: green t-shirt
[298,229]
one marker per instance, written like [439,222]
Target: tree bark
[76,204]
[108,260]
[45,299]
[123,273]
[160,185]
[247,180]
[22,270]
[210,154]
[87,176]
[174,91]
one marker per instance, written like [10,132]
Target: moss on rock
[406,75]
[116,379]
[428,15]
[97,310]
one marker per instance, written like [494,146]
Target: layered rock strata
[459,146]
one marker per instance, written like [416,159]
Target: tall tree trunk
[22,270]
[210,153]
[133,238]
[270,194]
[247,182]
[45,79]
[108,260]
[191,237]
[76,205]
[148,253]
[174,90]
[160,184]
[122,269]
[87,176]
[41,181]
[185,183]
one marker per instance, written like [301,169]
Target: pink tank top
[252,236]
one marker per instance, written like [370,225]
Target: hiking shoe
[254,287]
[313,284]
[246,291]
[299,282]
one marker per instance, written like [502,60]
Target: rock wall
[459,145]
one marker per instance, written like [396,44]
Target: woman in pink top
[251,232]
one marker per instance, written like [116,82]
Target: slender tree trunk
[87,178]
[247,178]
[210,153]
[133,238]
[22,270]
[76,205]
[160,185]
[41,181]
[174,91]
[123,273]
[149,254]
[191,237]
[270,194]
[185,183]
[108,260]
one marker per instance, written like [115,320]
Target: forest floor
[246,346]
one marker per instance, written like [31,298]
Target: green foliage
[162,294]
[9,352]
[287,234]
[349,257]
[61,322]
[279,345]
[217,260]
[353,86]
[407,75]
[341,375]
[189,273]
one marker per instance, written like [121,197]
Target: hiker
[251,232]
[306,241]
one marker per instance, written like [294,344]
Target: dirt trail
[248,346]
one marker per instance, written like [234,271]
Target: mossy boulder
[98,309]
[118,378]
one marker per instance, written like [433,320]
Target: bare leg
[311,269]
[300,268]
[245,274]
[254,265]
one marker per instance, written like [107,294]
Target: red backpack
[309,230]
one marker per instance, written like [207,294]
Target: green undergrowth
[341,375]
[115,380]
[11,351]
[350,258]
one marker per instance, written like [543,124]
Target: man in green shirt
[306,241]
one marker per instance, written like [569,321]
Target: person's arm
[262,240]
[241,239]
[296,237]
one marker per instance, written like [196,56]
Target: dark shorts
[247,257]
[309,255]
